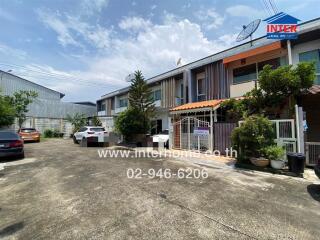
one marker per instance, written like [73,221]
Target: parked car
[29,134]
[11,145]
[162,137]
[88,132]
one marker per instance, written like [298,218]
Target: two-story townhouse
[197,89]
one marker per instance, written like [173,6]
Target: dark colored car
[11,145]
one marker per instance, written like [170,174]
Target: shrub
[131,122]
[48,133]
[252,137]
[57,133]
[273,152]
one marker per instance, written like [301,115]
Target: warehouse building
[47,111]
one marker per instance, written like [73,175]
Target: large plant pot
[277,164]
[260,162]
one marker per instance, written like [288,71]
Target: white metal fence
[312,153]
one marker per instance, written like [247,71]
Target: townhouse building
[197,89]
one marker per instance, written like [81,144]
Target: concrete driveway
[62,191]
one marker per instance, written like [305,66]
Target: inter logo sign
[282,26]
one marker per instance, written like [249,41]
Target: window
[156,95]
[312,56]
[97,129]
[83,129]
[275,63]
[200,86]
[244,74]
[123,102]
[103,107]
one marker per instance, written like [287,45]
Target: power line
[273,7]
[266,6]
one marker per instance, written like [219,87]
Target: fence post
[211,132]
[189,133]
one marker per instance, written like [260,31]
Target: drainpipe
[289,52]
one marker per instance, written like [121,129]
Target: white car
[88,132]
[162,137]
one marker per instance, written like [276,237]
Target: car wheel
[167,145]
[75,141]
[21,155]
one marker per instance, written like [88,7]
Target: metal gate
[191,134]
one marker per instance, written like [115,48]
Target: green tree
[78,120]
[131,122]
[140,97]
[96,121]
[20,101]
[7,112]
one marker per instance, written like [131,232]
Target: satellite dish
[248,30]
[130,77]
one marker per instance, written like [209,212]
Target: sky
[86,48]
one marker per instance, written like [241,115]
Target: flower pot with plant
[276,155]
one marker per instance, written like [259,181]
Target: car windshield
[8,136]
[28,130]
[97,129]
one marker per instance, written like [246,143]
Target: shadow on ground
[11,229]
[314,191]
[9,159]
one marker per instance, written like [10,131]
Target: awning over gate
[198,106]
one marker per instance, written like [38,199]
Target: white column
[289,52]
[298,128]
[211,131]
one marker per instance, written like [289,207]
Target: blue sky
[86,48]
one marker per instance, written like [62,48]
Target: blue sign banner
[282,26]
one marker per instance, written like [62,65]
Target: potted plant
[253,135]
[275,154]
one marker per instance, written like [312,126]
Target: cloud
[12,52]
[134,23]
[210,18]
[245,11]
[90,7]
[154,48]
[72,31]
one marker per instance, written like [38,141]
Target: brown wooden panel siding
[168,98]
[108,106]
[222,136]
[217,84]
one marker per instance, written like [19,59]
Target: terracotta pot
[260,162]
[277,164]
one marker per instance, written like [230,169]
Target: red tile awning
[198,105]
